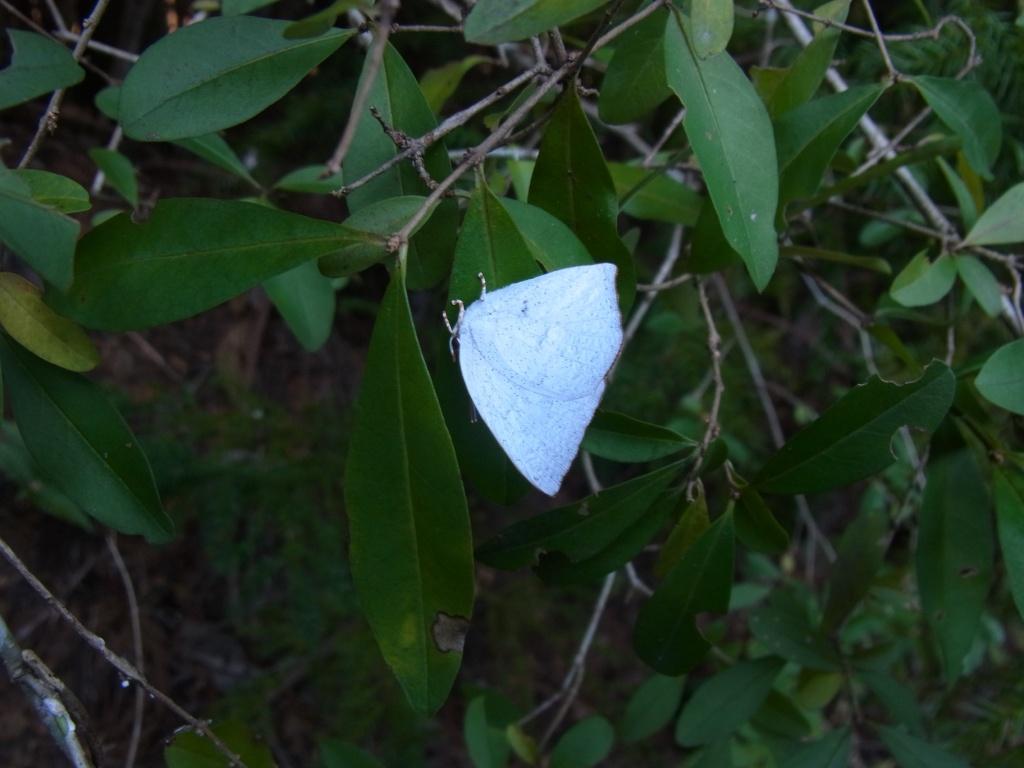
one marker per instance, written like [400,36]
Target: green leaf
[652,196]
[726,701]
[39,233]
[923,282]
[236,7]
[732,138]
[1002,222]
[552,243]
[397,97]
[1001,380]
[580,530]
[801,80]
[717,755]
[711,24]
[571,181]
[964,199]
[305,299]
[440,83]
[981,284]
[502,21]
[310,179]
[968,110]
[522,744]
[618,437]
[912,752]
[188,749]
[756,526]
[691,525]
[851,440]
[17,465]
[484,728]
[38,65]
[411,545]
[808,137]
[651,707]
[899,700]
[214,150]
[779,716]
[860,556]
[782,626]
[215,74]
[322,21]
[836,257]
[338,754]
[41,330]
[55,191]
[119,172]
[830,751]
[634,83]
[188,256]
[382,218]
[954,555]
[1009,493]
[81,443]
[584,745]
[665,635]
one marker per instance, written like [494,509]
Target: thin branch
[672,254]
[122,665]
[894,74]
[48,122]
[715,351]
[666,134]
[94,45]
[665,285]
[137,650]
[46,694]
[455,121]
[374,58]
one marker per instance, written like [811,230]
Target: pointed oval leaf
[728,126]
[305,299]
[808,137]
[83,445]
[39,329]
[553,244]
[39,233]
[954,555]
[830,751]
[188,256]
[55,191]
[1002,222]
[692,523]
[1001,380]
[801,80]
[571,182]
[981,284]
[1009,494]
[618,437]
[119,173]
[756,526]
[189,749]
[502,21]
[635,81]
[782,626]
[215,74]
[923,282]
[411,545]
[439,84]
[397,97]
[665,635]
[970,112]
[711,21]
[580,530]
[851,440]
[651,195]
[584,745]
[726,701]
[484,728]
[651,707]
[860,556]
[913,752]
[216,151]
[39,65]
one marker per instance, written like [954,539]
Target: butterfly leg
[453,331]
[483,285]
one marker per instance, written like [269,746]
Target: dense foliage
[794,535]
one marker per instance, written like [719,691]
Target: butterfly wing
[534,356]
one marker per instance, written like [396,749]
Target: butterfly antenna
[483,285]
[453,331]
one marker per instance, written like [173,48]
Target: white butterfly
[534,356]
